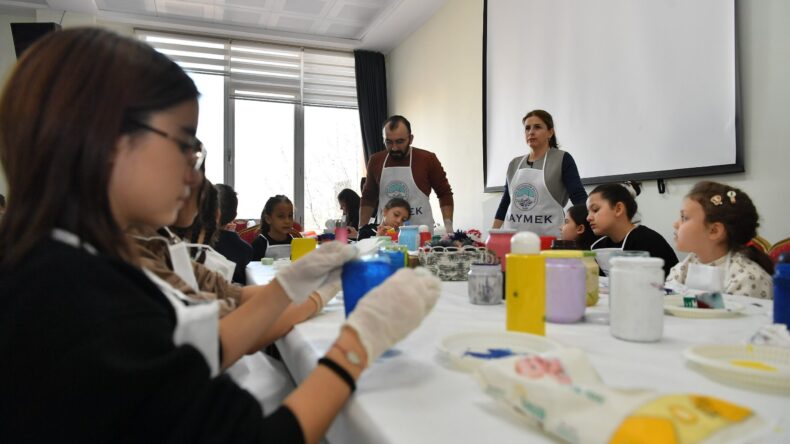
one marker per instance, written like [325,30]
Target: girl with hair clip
[577,229]
[277,229]
[716,221]
[611,210]
[83,325]
[395,213]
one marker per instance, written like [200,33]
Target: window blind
[265,71]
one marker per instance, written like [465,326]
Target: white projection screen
[639,89]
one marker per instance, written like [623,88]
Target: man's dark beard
[400,154]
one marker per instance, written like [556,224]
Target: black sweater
[88,356]
[645,239]
[230,245]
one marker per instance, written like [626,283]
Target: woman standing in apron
[82,325]
[539,183]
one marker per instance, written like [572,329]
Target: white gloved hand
[392,310]
[323,295]
[314,270]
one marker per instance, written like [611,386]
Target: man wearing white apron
[408,173]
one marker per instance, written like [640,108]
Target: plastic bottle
[425,235]
[782,290]
[525,285]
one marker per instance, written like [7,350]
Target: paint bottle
[782,290]
[525,285]
[499,242]
[425,235]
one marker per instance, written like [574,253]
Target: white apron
[622,247]
[532,207]
[399,182]
[196,325]
[215,261]
[276,251]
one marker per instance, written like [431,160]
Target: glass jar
[498,241]
[485,284]
[409,237]
[592,277]
[566,286]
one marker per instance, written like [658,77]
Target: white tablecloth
[410,396]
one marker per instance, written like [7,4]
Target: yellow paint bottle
[525,285]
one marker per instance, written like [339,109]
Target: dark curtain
[371,98]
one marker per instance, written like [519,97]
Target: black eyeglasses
[191,146]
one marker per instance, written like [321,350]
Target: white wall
[435,79]
[68,20]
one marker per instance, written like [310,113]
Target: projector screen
[638,89]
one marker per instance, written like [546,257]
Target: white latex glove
[314,270]
[323,295]
[392,310]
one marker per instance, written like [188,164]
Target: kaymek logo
[397,189]
[525,197]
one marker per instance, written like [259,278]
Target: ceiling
[378,25]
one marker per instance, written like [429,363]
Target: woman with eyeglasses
[539,184]
[98,349]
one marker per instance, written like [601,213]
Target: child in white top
[716,221]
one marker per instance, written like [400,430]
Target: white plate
[674,305]
[752,366]
[468,351]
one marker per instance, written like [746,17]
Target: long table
[412,396]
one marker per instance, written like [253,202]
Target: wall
[435,79]
[67,20]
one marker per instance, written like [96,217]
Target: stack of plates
[756,367]
[470,350]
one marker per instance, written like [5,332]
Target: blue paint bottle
[782,291]
[362,275]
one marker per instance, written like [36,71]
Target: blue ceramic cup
[361,276]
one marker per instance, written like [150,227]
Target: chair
[783,246]
[759,243]
[248,234]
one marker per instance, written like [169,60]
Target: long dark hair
[228,203]
[351,199]
[732,208]
[578,213]
[548,120]
[268,209]
[70,97]
[205,222]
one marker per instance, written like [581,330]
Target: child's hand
[295,233]
[383,230]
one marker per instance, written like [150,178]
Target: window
[333,156]
[264,142]
[211,123]
[292,126]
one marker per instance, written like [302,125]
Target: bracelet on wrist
[339,371]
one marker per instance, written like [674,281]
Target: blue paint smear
[493,353]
